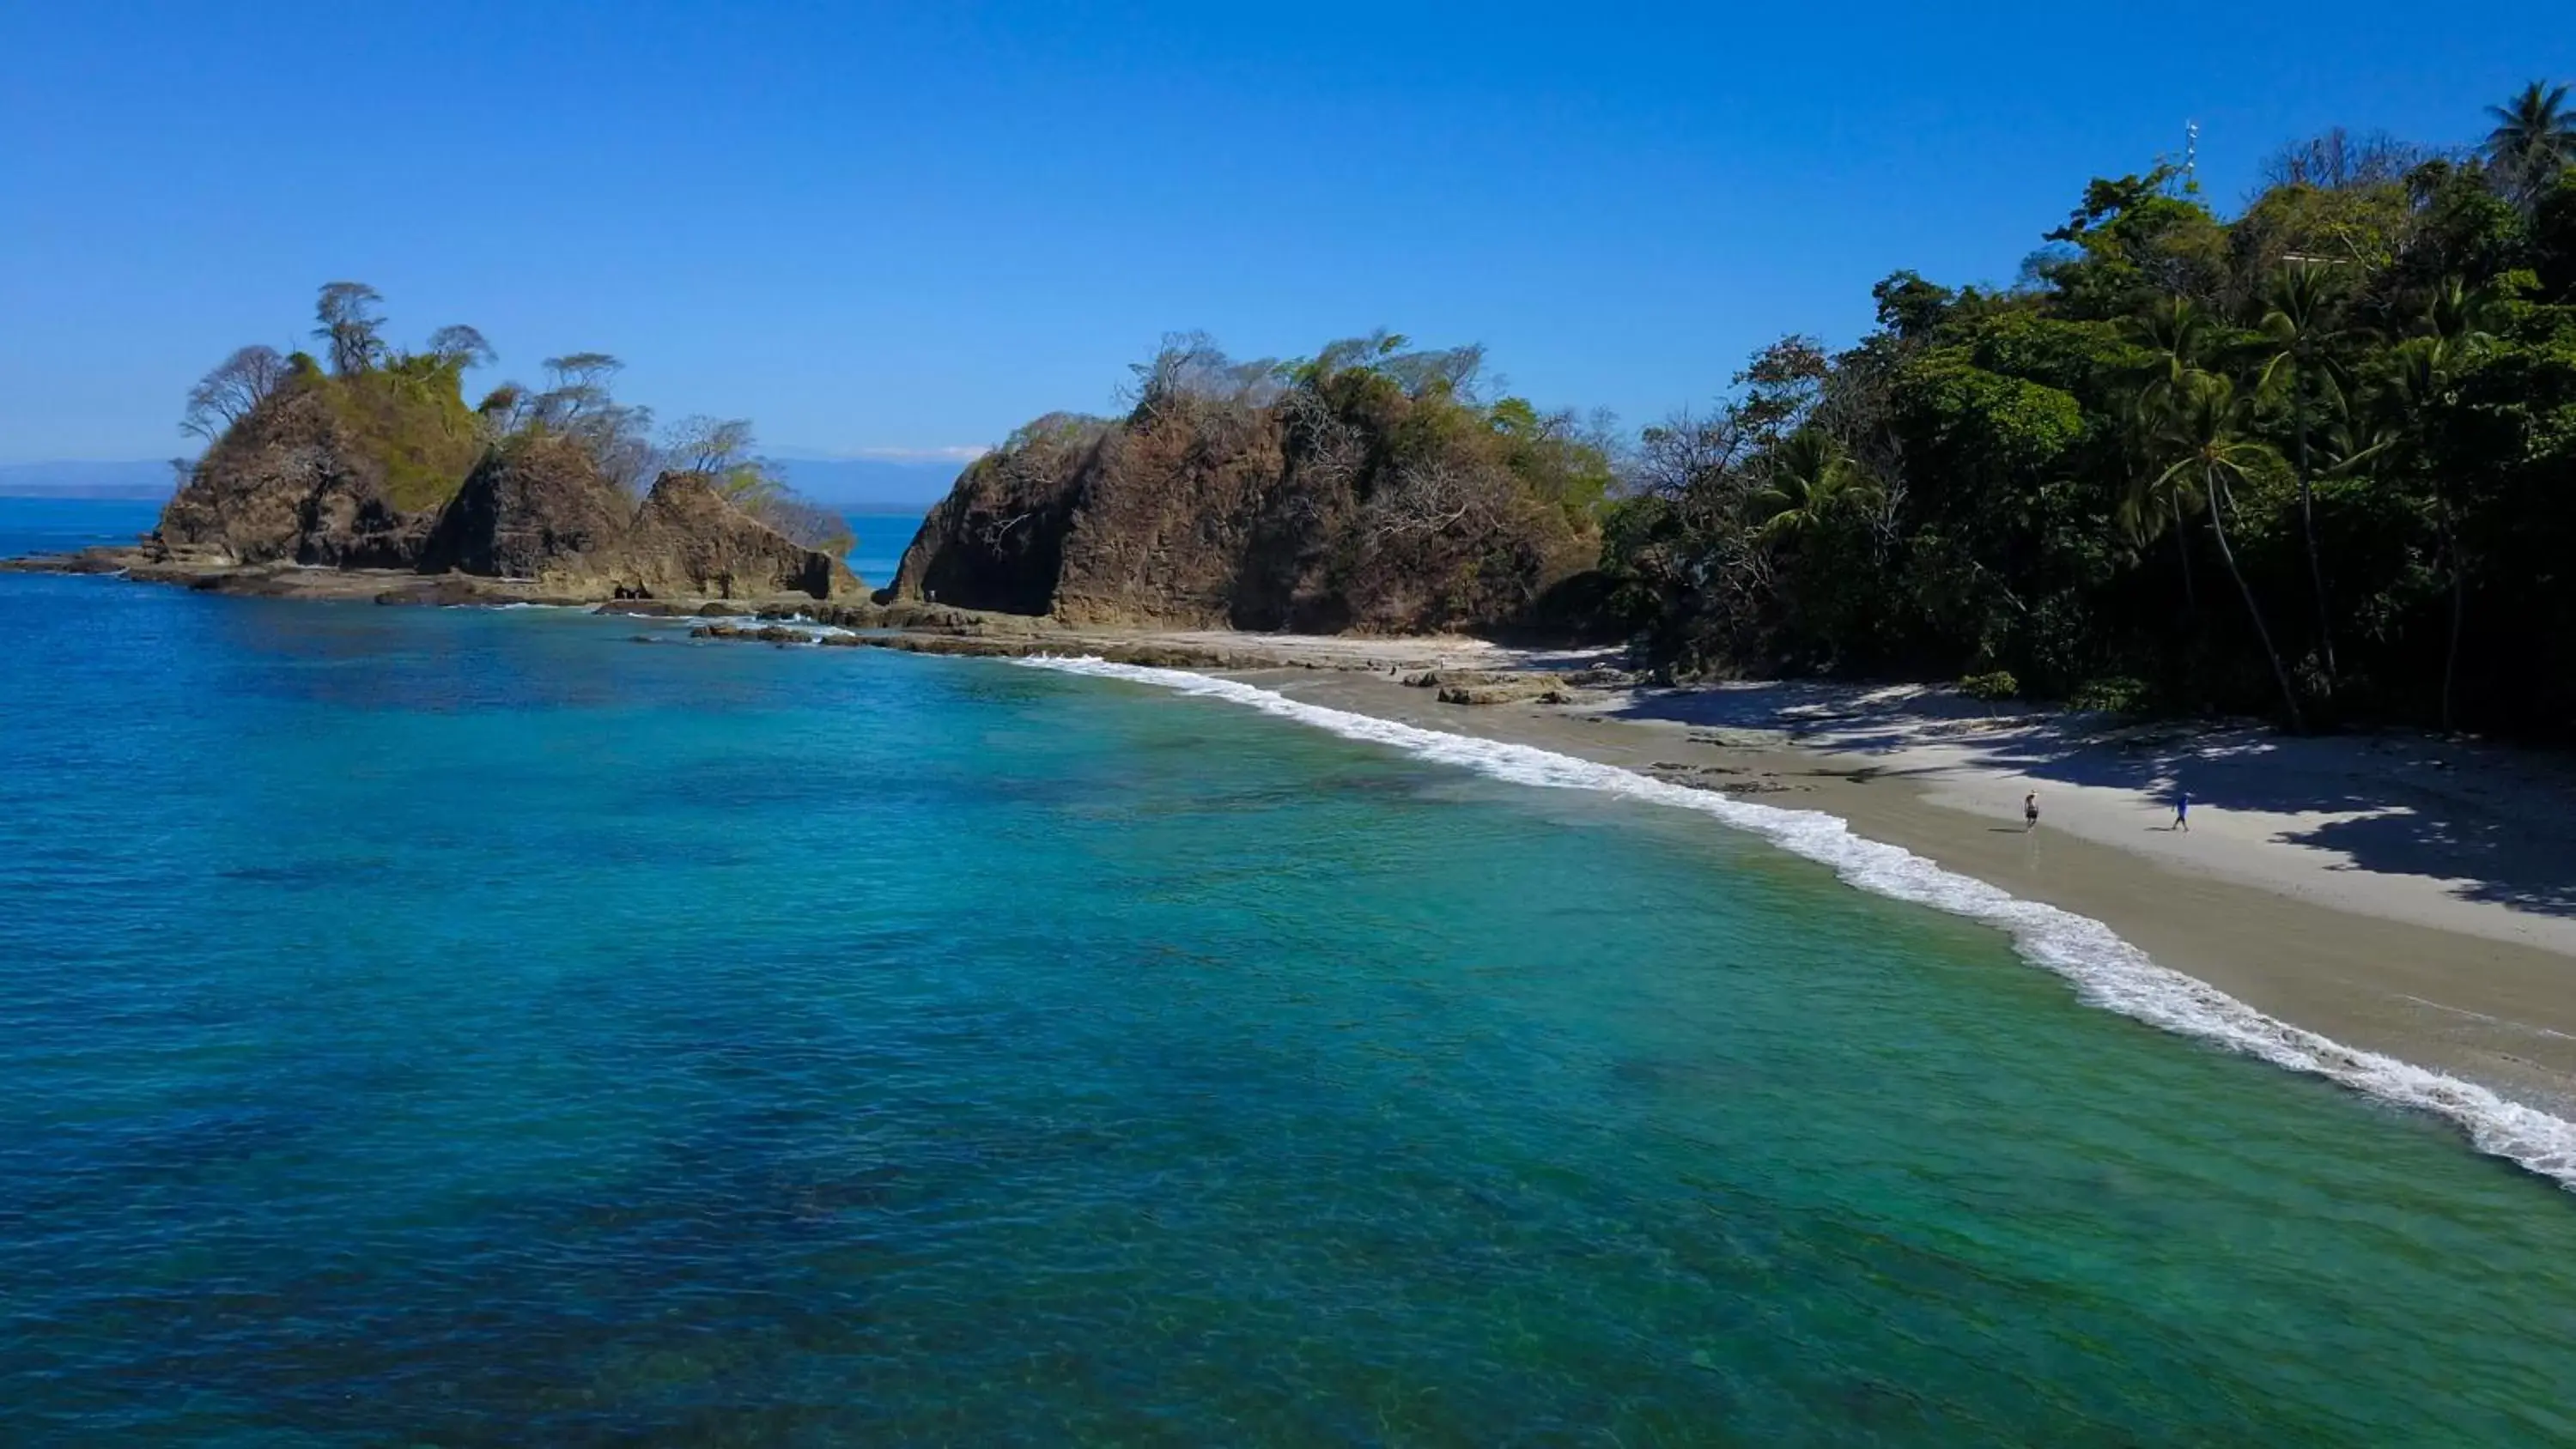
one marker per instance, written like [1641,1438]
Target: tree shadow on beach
[2498,826]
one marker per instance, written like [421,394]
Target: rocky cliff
[294,482]
[1345,505]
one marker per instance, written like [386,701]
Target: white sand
[2460,837]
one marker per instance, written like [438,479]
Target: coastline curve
[2105,969]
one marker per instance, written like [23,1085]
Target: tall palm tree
[2299,324]
[1812,479]
[2206,436]
[2423,375]
[2534,137]
[2455,325]
[2156,499]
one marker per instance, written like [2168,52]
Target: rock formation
[1284,515]
[528,510]
[291,483]
[688,540]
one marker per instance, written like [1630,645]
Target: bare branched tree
[805,522]
[714,446]
[2339,160]
[231,389]
[1434,499]
[1189,371]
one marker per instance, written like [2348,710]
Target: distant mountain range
[844,483]
[865,483]
[151,479]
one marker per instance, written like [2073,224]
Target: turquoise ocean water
[476,1027]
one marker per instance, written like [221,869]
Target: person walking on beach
[2182,810]
[2030,811]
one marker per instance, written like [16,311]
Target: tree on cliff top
[229,390]
[725,451]
[405,413]
[351,325]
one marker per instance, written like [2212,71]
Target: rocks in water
[767,634]
[437,593]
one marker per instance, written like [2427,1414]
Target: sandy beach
[2403,895]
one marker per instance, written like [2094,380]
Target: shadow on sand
[2497,824]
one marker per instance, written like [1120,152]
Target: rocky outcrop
[687,540]
[540,510]
[290,483]
[527,511]
[1248,518]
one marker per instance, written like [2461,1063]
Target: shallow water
[474,1027]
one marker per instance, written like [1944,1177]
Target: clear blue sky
[893,229]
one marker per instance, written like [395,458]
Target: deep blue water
[882,538]
[478,1027]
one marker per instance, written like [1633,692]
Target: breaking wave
[2105,970]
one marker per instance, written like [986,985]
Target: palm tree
[2298,322]
[2156,501]
[2179,334]
[2533,139]
[2455,324]
[1812,479]
[2206,434]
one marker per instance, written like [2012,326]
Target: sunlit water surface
[465,1027]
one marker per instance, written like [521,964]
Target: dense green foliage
[2318,459]
[409,414]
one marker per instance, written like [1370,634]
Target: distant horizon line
[901,457]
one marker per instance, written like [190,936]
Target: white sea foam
[2105,970]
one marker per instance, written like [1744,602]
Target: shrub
[1995,684]
[2117,694]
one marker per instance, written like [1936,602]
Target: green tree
[2208,440]
[2533,140]
[2156,500]
[1812,483]
[2299,326]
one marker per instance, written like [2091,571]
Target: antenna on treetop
[2190,155]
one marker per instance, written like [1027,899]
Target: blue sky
[911,228]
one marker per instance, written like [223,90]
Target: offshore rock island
[373,476]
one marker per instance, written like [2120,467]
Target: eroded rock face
[289,484]
[533,511]
[1218,521]
[687,540]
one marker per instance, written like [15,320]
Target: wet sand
[2476,1004]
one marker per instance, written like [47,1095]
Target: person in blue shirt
[2182,810]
